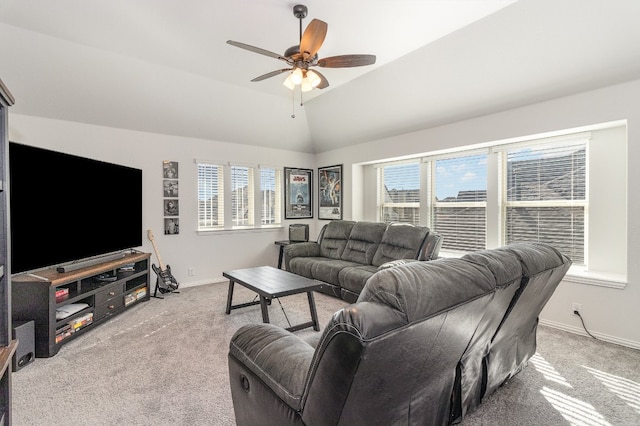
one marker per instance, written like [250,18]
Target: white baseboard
[203,282]
[601,336]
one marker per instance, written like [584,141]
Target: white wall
[610,314]
[208,255]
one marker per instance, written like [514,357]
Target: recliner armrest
[308,249]
[276,356]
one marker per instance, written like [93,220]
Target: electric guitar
[165,281]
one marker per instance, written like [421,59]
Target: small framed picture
[171,207]
[170,187]
[170,169]
[330,192]
[171,226]
[298,193]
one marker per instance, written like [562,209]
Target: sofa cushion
[353,278]
[302,265]
[328,271]
[400,241]
[363,242]
[335,237]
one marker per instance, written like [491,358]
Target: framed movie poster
[298,193]
[330,192]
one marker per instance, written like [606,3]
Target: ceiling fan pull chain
[293,104]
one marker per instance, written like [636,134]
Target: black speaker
[298,233]
[24,331]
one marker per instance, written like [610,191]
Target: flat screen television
[66,208]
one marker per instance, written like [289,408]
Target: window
[539,194]
[569,190]
[270,201]
[399,193]
[227,198]
[241,196]
[546,196]
[210,196]
[459,201]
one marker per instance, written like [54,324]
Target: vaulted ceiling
[164,66]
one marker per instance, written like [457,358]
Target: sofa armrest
[307,249]
[279,360]
[431,247]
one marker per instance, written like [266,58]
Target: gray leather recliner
[422,345]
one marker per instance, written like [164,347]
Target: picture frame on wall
[330,192]
[171,226]
[298,193]
[170,169]
[170,187]
[171,207]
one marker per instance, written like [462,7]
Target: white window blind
[242,196]
[399,193]
[210,197]
[546,195]
[459,202]
[270,196]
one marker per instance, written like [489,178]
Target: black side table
[282,244]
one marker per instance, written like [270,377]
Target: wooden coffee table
[269,283]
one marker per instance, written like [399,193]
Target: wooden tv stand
[106,288]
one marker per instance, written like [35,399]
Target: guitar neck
[155,249]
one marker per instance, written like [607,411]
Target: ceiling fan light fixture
[296,76]
[306,86]
[313,78]
[288,83]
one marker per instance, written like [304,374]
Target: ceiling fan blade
[257,50]
[324,83]
[347,61]
[313,38]
[271,74]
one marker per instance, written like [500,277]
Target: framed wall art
[170,202]
[330,192]
[298,193]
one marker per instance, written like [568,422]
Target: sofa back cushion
[400,241]
[363,242]
[334,238]
[421,289]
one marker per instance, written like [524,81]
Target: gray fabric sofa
[347,253]
[425,343]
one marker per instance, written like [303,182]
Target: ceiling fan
[304,56]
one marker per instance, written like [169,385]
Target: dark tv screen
[65,207]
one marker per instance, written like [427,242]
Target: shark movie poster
[298,193]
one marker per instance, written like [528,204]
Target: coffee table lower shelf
[269,283]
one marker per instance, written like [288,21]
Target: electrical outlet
[576,307]
[190,272]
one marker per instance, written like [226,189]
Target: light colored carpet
[164,362]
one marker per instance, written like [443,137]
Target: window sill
[579,275]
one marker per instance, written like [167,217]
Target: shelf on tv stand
[34,298]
